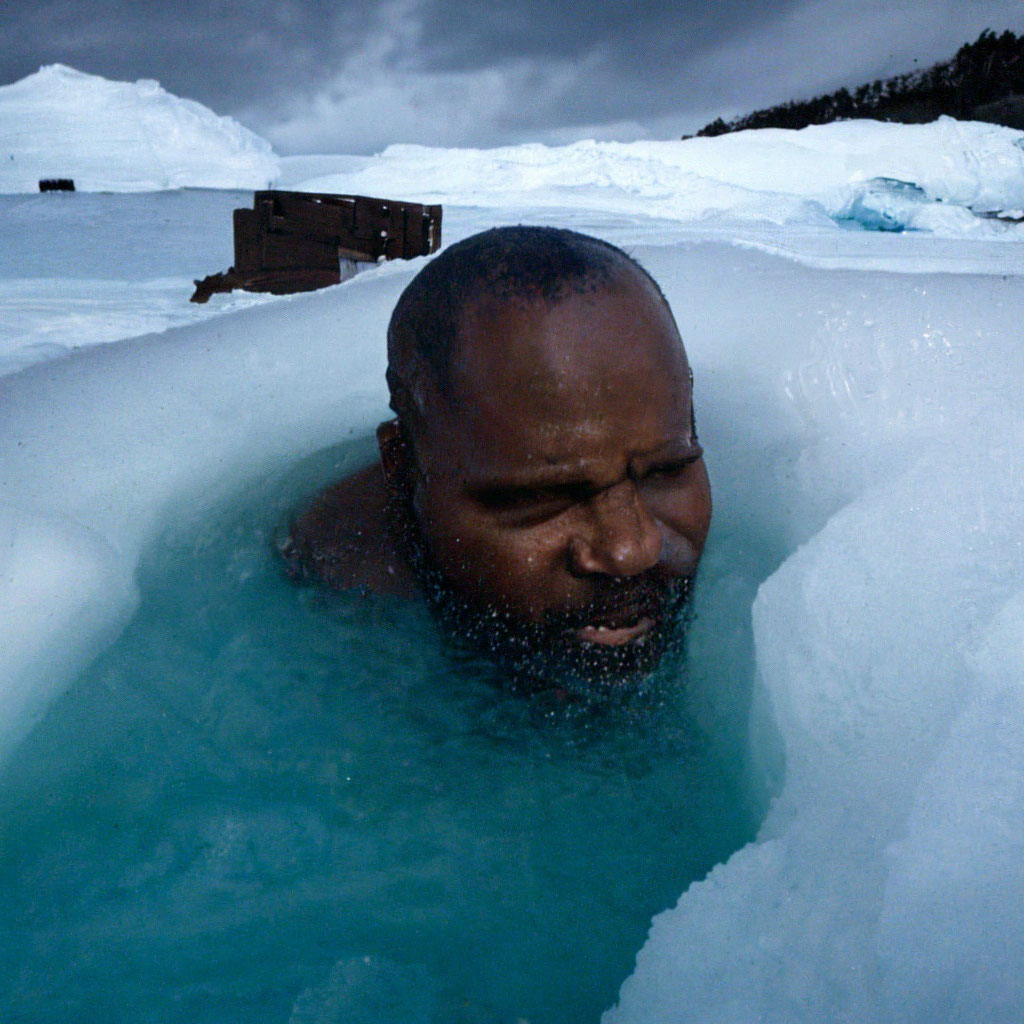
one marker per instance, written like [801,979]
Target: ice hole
[859,612]
[264,795]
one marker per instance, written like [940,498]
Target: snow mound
[121,137]
[822,175]
[884,886]
[74,514]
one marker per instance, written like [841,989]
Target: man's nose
[620,538]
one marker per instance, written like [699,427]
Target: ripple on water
[270,803]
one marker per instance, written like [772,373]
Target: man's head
[546,451]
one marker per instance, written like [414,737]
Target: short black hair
[525,262]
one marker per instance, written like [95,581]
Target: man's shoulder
[343,538]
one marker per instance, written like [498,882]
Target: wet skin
[560,479]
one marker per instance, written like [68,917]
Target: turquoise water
[271,803]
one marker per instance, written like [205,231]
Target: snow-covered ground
[864,389]
[81,269]
[932,177]
[121,137]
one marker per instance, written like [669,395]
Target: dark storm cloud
[355,75]
[644,46]
[650,35]
[219,53]
[225,54]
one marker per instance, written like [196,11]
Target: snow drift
[933,177]
[121,137]
[885,885]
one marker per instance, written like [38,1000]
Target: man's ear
[394,453]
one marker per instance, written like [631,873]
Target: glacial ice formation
[121,137]
[813,176]
[869,389]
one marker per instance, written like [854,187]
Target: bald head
[471,281]
[534,366]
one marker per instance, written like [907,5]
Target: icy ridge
[121,137]
[885,883]
[94,446]
[817,175]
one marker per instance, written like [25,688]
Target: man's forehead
[596,339]
[549,393]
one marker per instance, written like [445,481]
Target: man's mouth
[616,636]
[627,623]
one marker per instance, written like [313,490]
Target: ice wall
[121,137]
[878,423]
[886,882]
[931,177]
[95,447]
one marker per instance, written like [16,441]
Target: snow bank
[886,882]
[873,420]
[916,177]
[96,447]
[878,424]
[121,137]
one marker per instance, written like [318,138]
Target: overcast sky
[353,76]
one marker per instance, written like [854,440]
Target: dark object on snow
[1007,216]
[56,185]
[297,241]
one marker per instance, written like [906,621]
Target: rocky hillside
[984,81]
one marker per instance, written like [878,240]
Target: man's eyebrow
[546,478]
[505,493]
[579,475]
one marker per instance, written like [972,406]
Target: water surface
[271,803]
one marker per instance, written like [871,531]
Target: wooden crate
[296,241]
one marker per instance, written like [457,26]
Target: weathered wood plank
[294,241]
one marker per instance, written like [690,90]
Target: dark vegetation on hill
[984,81]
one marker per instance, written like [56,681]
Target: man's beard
[548,653]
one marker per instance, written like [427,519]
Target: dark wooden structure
[297,241]
[56,185]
